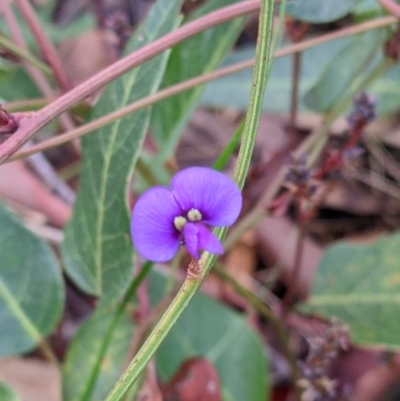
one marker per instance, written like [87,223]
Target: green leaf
[31,287]
[365,10]
[360,285]
[195,56]
[7,394]
[319,11]
[55,32]
[15,84]
[81,358]
[354,61]
[234,90]
[229,148]
[387,92]
[97,250]
[213,331]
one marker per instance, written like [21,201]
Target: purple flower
[162,219]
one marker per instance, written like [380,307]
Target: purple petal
[190,234]
[152,228]
[215,195]
[199,238]
[208,241]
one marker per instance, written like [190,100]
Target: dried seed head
[363,110]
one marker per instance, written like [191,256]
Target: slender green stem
[25,105]
[192,284]
[45,348]
[267,313]
[24,54]
[146,172]
[316,142]
[260,76]
[249,221]
[229,148]
[107,338]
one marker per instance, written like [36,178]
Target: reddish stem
[34,73]
[18,38]
[390,6]
[31,126]
[46,47]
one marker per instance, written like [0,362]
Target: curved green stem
[192,284]
[265,311]
[312,145]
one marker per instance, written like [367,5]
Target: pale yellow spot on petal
[194,215]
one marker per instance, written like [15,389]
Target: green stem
[45,348]
[267,313]
[23,54]
[191,284]
[107,338]
[229,148]
[316,142]
[249,221]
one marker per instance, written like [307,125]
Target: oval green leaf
[79,368]
[234,90]
[7,394]
[97,251]
[352,62]
[31,287]
[196,56]
[213,331]
[360,285]
[319,11]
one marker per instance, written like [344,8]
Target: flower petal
[214,194]
[208,241]
[190,234]
[152,227]
[199,238]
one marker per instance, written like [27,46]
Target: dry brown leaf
[33,380]
[277,244]
[196,380]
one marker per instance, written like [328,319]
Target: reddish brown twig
[46,47]
[390,6]
[31,126]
